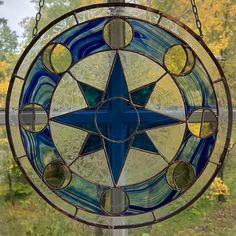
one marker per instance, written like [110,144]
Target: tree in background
[8,40]
[8,54]
[219,29]
[8,45]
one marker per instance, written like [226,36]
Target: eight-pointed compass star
[116,119]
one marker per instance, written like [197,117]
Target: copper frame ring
[188,30]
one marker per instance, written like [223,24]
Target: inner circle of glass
[117,119]
[92,159]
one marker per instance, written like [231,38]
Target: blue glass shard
[83,119]
[150,119]
[83,194]
[117,86]
[91,94]
[143,142]
[197,89]
[84,39]
[39,85]
[116,154]
[157,187]
[196,151]
[151,40]
[92,144]
[141,95]
[37,145]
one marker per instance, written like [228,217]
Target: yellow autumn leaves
[4,81]
[3,87]
[218,188]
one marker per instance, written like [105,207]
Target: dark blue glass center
[117,119]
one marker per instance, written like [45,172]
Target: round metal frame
[217,152]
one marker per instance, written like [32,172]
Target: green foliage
[8,45]
[14,185]
[8,40]
[2,19]
[34,217]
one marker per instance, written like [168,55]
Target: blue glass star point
[116,155]
[92,143]
[117,85]
[91,94]
[143,142]
[141,95]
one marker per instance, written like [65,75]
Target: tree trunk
[221,197]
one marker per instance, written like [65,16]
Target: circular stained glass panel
[124,115]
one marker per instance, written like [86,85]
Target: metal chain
[38,18]
[197,18]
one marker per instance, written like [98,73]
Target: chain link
[38,18]
[197,18]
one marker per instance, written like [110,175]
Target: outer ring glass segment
[206,62]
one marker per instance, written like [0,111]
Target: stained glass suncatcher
[119,133]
